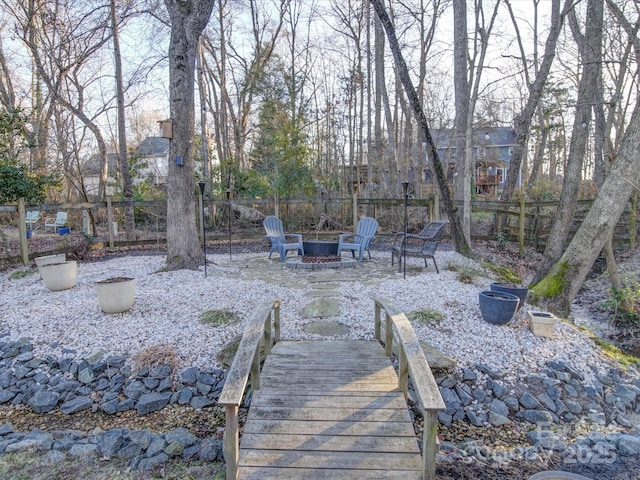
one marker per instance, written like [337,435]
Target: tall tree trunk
[591,55]
[462,93]
[188,19]
[522,123]
[459,241]
[123,154]
[559,288]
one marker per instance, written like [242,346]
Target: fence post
[355,210]
[110,221]
[22,229]
[436,206]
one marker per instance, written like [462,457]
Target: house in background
[151,158]
[492,152]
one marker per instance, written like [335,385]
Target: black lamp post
[229,222]
[204,233]
[405,189]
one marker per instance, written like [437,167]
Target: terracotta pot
[59,276]
[497,308]
[115,295]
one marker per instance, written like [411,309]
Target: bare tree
[123,154]
[535,87]
[459,240]
[188,19]
[590,47]
[560,286]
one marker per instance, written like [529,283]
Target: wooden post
[429,445]
[267,336]
[110,221]
[276,321]
[388,336]
[355,210]
[403,371]
[255,370]
[231,440]
[376,325]
[436,206]
[521,225]
[22,230]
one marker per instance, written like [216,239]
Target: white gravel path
[168,304]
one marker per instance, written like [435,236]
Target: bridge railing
[256,338]
[412,363]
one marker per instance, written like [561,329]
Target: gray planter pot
[497,308]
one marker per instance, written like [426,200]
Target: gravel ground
[167,304]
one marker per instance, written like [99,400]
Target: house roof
[153,146]
[149,147]
[494,136]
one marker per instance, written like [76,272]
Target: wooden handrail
[412,362]
[246,362]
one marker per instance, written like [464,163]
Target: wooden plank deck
[328,410]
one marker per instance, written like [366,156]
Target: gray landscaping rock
[44,401]
[135,390]
[144,464]
[54,457]
[188,376]
[6,395]
[210,450]
[201,402]
[76,405]
[529,401]
[181,435]
[110,442]
[445,419]
[152,402]
[84,450]
[86,376]
[537,416]
[157,445]
[451,400]
[628,445]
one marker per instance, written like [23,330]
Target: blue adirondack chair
[359,241]
[281,242]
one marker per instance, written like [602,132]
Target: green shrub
[218,318]
[426,316]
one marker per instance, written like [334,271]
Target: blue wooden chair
[359,241]
[281,242]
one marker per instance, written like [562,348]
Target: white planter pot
[115,295]
[59,276]
[542,323]
[48,259]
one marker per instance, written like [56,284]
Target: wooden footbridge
[330,409]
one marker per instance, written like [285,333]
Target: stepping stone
[326,329]
[321,307]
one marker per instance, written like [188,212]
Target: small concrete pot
[59,276]
[115,295]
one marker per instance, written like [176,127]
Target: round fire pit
[320,258]
[313,262]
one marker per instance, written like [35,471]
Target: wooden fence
[526,222]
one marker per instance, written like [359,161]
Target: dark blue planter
[64,231]
[513,289]
[29,234]
[497,308]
